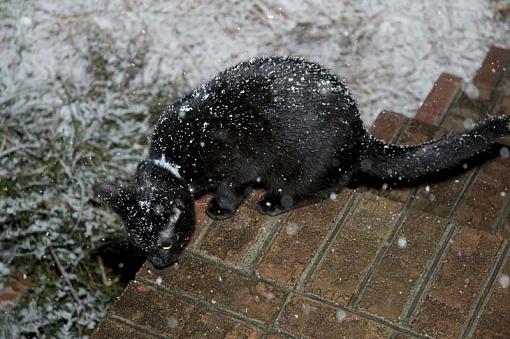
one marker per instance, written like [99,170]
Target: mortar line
[204,234]
[276,319]
[259,246]
[269,241]
[455,97]
[403,212]
[144,330]
[430,274]
[422,278]
[500,79]
[328,240]
[486,291]
[401,130]
[465,188]
[500,221]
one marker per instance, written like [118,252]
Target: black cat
[282,123]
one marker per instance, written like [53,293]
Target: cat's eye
[169,247]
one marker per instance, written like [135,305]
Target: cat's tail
[393,163]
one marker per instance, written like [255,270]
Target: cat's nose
[165,239]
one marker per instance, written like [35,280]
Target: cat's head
[158,212]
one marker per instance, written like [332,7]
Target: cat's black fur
[285,124]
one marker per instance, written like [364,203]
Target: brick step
[362,263]
[481,196]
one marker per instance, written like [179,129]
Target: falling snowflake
[402,242]
[504,280]
[171,322]
[341,315]
[292,228]
[468,123]
[504,152]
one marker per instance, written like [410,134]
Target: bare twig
[103,272]
[15,149]
[64,273]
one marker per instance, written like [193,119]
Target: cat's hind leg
[288,198]
[275,203]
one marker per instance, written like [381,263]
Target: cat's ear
[115,196]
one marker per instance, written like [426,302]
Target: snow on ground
[390,51]
[81,82]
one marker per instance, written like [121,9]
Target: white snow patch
[471,90]
[468,123]
[25,21]
[341,315]
[307,308]
[504,152]
[402,242]
[4,270]
[291,228]
[171,322]
[172,168]
[504,280]
[377,44]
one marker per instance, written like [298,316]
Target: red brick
[387,125]
[212,325]
[483,202]
[203,221]
[299,238]
[491,71]
[165,314]
[463,113]
[231,239]
[352,252]
[275,336]
[454,123]
[399,335]
[495,319]
[503,105]
[415,133]
[455,289]
[439,198]
[220,286]
[305,317]
[114,330]
[395,280]
[469,108]
[439,98]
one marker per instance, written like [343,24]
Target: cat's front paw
[215,211]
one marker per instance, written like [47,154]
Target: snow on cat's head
[158,212]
